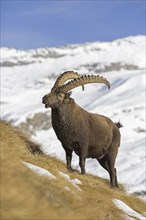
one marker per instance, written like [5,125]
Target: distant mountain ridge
[125,53]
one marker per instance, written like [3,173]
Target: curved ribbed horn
[82,81]
[63,78]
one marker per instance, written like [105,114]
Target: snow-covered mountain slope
[28,75]
[98,53]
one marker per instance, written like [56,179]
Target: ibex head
[61,92]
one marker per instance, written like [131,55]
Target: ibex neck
[64,111]
[64,121]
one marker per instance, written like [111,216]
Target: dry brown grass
[26,195]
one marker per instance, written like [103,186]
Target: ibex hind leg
[111,158]
[103,163]
[108,162]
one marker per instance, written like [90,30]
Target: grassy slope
[26,195]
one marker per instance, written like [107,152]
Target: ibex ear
[68,94]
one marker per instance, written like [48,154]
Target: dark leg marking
[68,159]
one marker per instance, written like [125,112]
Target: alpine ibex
[88,135]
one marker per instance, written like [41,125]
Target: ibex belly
[97,151]
[100,137]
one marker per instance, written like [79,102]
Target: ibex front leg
[82,159]
[68,159]
[82,165]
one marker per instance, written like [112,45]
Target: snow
[128,211]
[26,76]
[79,54]
[40,171]
[43,172]
[74,182]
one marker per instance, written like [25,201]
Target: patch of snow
[74,182]
[127,210]
[77,181]
[67,188]
[39,170]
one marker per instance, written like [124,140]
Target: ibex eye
[60,95]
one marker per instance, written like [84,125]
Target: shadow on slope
[27,195]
